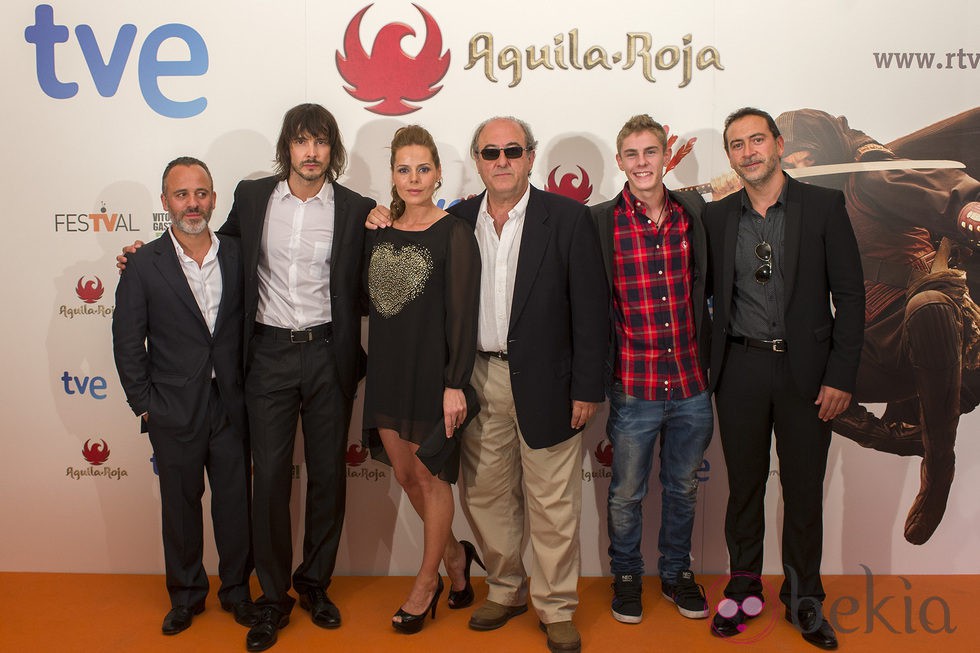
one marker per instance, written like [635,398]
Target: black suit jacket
[821,261]
[247,220]
[693,204]
[558,321]
[164,352]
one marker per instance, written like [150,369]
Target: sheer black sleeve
[462,302]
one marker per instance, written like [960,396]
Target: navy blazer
[163,349]
[693,204]
[558,321]
[820,262]
[247,221]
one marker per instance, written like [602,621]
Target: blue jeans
[686,426]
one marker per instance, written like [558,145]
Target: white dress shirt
[498,255]
[205,280]
[294,259]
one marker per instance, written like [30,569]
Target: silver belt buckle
[779,346]
[297,337]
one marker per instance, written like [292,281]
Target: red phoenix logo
[356,454]
[90,291]
[604,453]
[96,453]
[388,74]
[567,187]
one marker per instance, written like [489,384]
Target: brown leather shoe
[492,615]
[563,637]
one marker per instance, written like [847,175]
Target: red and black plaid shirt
[658,358]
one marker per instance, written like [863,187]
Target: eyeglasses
[763,252]
[490,153]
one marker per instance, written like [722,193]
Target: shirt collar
[631,204]
[780,201]
[325,195]
[181,256]
[516,214]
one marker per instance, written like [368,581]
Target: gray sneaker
[687,595]
[626,605]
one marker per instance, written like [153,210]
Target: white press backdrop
[81,179]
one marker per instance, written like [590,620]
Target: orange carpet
[91,613]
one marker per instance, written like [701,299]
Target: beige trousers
[508,485]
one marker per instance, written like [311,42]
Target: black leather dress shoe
[265,632]
[728,626]
[323,611]
[246,613]
[179,619]
[814,627]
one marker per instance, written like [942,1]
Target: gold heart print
[396,276]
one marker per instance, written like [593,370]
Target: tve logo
[107,73]
[94,386]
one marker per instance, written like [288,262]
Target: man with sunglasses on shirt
[543,334]
[781,358]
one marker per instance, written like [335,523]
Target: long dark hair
[316,121]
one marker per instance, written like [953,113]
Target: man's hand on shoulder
[121,260]
[378,218]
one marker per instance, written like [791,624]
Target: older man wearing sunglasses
[543,335]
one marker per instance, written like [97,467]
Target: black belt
[318,332]
[778,346]
[502,355]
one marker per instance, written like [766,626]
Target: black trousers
[754,396]
[285,382]
[181,462]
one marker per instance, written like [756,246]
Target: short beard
[182,226]
[309,176]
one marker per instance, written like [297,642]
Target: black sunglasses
[763,252]
[490,153]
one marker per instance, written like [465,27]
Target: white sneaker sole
[627,618]
[690,614]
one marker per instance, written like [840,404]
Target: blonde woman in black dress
[423,279]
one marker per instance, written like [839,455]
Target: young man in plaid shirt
[655,255]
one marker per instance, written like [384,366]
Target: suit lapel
[169,267]
[230,268]
[253,222]
[794,230]
[340,229]
[534,241]
[604,224]
[728,259]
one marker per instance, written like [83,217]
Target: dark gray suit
[164,355]
[757,391]
[312,380]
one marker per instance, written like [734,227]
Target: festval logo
[95,453]
[89,291]
[579,192]
[356,455]
[387,75]
[604,453]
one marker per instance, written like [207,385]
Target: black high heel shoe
[412,623]
[464,597]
